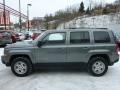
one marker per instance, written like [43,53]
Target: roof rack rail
[86,28]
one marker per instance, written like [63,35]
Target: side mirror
[39,44]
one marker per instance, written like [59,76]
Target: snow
[111,21]
[59,80]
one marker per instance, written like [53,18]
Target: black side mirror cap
[39,44]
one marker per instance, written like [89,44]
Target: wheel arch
[19,55]
[101,55]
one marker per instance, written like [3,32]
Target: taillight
[118,46]
[13,38]
[33,36]
[16,35]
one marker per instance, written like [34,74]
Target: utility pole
[28,15]
[20,25]
[4,14]
[119,5]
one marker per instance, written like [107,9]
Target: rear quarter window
[101,37]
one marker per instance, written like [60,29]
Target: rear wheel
[97,66]
[21,66]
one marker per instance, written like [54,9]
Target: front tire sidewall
[24,60]
[92,61]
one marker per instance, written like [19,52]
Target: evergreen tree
[105,11]
[81,9]
[88,11]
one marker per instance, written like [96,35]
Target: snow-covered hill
[111,21]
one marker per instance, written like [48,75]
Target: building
[38,23]
[7,20]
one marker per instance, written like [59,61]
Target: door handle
[85,47]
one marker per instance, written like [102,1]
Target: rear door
[78,46]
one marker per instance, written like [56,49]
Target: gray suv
[96,48]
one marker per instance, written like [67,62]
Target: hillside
[111,21]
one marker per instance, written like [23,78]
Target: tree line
[70,13]
[61,16]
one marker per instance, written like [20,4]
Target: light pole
[20,15]
[28,14]
[90,4]
[119,5]
[4,14]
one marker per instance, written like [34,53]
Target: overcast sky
[40,8]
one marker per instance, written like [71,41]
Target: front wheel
[97,66]
[21,66]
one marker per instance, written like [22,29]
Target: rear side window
[79,37]
[101,37]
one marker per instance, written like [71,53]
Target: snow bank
[111,21]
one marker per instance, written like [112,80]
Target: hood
[20,44]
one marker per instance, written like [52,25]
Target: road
[59,80]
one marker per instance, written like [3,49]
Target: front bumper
[4,60]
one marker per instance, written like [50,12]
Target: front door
[53,49]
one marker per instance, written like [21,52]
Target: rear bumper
[5,42]
[112,63]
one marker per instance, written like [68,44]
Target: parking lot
[59,80]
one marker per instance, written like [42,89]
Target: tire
[21,66]
[97,66]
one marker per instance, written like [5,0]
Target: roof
[78,29]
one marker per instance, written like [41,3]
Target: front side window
[55,38]
[79,37]
[101,37]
